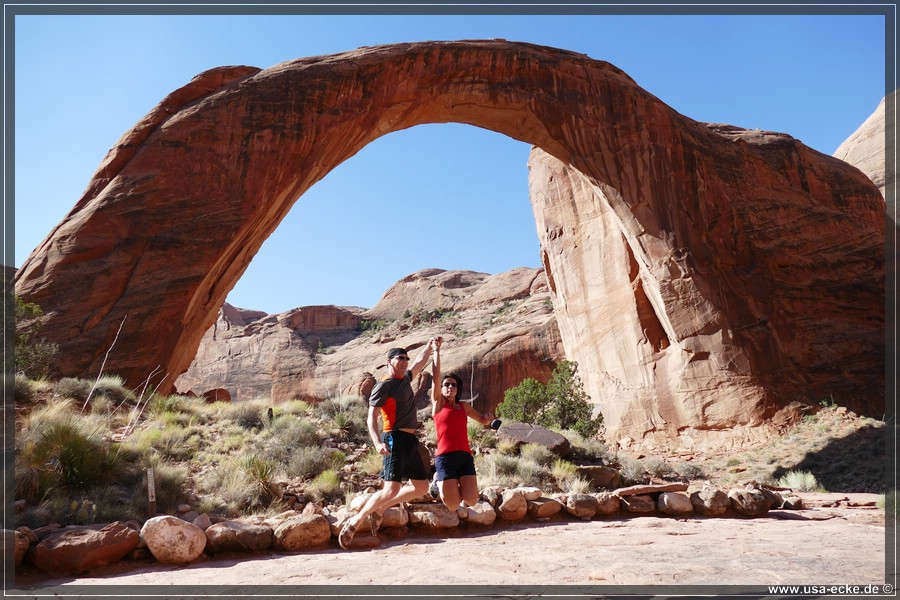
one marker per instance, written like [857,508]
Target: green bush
[525,402]
[561,403]
[33,356]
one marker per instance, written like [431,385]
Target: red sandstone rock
[501,324]
[704,276]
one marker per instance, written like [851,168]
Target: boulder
[638,504]
[302,533]
[238,536]
[607,503]
[74,550]
[481,513]
[753,500]
[513,505]
[395,516]
[172,540]
[543,508]
[583,506]
[600,476]
[432,515]
[525,433]
[674,503]
[710,501]
[22,544]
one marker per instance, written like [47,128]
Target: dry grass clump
[800,481]
[87,462]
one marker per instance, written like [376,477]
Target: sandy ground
[816,546]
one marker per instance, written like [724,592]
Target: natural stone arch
[178,208]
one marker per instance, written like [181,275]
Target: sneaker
[433,488]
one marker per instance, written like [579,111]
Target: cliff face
[497,329]
[755,256]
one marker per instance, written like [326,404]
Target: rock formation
[502,324]
[754,264]
[864,149]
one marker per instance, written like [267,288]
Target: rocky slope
[502,325]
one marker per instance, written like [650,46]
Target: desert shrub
[73,387]
[33,355]
[228,488]
[24,388]
[561,403]
[800,481]
[537,453]
[593,450]
[577,485]
[371,463]
[249,415]
[339,404]
[632,471]
[430,433]
[480,437]
[113,387]
[57,448]
[531,473]
[308,461]
[563,471]
[171,441]
[657,467]
[261,473]
[292,407]
[689,471]
[489,474]
[325,486]
[508,446]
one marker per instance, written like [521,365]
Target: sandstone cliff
[755,264]
[503,325]
[864,149]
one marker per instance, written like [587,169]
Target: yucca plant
[261,474]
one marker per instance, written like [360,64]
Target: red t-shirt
[451,425]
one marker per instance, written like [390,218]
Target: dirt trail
[820,545]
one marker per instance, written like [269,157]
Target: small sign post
[151,494]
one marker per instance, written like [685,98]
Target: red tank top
[451,425]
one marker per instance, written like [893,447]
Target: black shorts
[454,465]
[404,461]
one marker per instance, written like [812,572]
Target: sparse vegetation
[33,355]
[233,459]
[801,481]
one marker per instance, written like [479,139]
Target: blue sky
[82,81]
